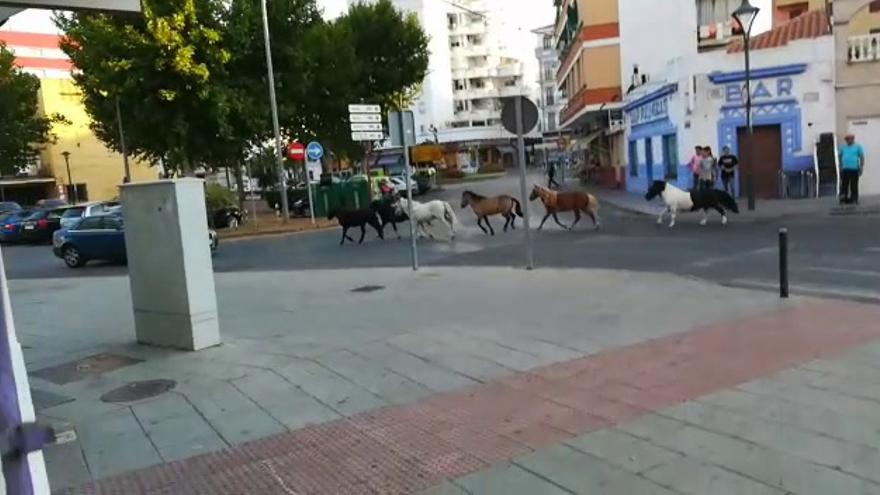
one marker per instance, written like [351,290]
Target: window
[649,158]
[715,11]
[551,121]
[670,156]
[549,97]
[874,6]
[548,42]
[91,223]
[633,158]
[116,223]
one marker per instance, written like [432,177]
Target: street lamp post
[745,16]
[66,155]
[127,178]
[282,179]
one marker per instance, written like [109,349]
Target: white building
[698,100]
[550,101]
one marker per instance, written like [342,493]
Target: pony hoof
[703,222]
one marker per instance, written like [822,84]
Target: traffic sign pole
[414,250]
[521,149]
[314,152]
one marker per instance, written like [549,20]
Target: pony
[424,215]
[358,218]
[677,200]
[388,213]
[483,207]
[576,201]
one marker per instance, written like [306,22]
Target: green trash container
[327,199]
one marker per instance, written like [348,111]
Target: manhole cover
[368,288]
[135,391]
[87,367]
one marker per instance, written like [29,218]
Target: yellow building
[96,170]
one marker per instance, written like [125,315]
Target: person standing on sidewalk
[852,164]
[707,170]
[694,165]
[728,162]
[551,176]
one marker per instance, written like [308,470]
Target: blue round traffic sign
[314,151]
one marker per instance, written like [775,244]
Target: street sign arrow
[366,127]
[356,108]
[367,136]
[365,117]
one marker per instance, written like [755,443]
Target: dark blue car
[100,238]
[93,238]
[11,225]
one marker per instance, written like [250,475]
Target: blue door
[649,159]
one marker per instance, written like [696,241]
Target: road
[833,257]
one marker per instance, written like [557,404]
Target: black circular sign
[529,114]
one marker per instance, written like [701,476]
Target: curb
[274,233]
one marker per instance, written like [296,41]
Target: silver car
[73,214]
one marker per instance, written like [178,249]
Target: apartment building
[857,71]
[550,101]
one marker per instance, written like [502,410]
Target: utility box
[169,264]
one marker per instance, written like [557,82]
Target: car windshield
[73,212]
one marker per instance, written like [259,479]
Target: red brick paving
[405,449]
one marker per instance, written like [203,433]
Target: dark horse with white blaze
[677,200]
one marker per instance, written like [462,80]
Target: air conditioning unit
[616,122]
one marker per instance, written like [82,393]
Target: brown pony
[484,207]
[576,201]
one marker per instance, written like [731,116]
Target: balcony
[511,70]
[864,48]
[469,28]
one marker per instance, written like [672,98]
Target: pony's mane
[478,197]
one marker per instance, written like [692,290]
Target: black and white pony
[699,199]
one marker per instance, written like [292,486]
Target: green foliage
[217,197]
[22,128]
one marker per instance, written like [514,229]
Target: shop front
[652,138]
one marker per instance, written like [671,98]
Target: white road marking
[726,259]
[841,271]
[874,249]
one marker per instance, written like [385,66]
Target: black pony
[358,218]
[388,212]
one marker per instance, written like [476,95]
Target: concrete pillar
[169,264]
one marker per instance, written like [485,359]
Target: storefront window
[670,156]
[633,159]
[649,158]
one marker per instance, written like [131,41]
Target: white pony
[424,215]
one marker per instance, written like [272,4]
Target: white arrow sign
[365,117]
[367,136]
[366,127]
[364,109]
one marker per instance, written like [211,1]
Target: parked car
[39,226]
[9,206]
[99,238]
[10,225]
[51,203]
[76,212]
[399,185]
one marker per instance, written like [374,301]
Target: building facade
[857,70]
[95,170]
[699,101]
[550,101]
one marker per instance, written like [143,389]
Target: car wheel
[73,258]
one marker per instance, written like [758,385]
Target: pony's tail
[449,213]
[727,201]
[517,208]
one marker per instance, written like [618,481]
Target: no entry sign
[296,151]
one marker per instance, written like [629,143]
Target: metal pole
[127,178]
[250,182]
[783,263]
[282,179]
[70,178]
[309,192]
[750,171]
[413,247]
[521,148]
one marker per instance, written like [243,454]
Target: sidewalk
[765,209]
[459,381]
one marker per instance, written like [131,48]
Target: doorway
[766,159]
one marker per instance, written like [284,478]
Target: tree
[22,128]
[166,69]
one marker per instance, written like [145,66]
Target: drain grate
[87,367]
[135,391]
[368,288]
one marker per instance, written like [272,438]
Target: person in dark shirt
[728,163]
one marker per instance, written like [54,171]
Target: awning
[582,143]
[25,181]
[389,160]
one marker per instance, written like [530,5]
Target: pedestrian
[551,176]
[852,164]
[694,166]
[707,169]
[728,163]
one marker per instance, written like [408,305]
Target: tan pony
[483,207]
[576,201]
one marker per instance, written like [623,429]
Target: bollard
[783,263]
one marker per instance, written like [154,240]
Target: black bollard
[783,263]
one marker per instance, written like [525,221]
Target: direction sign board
[314,151]
[367,136]
[108,5]
[366,127]
[359,108]
[296,151]
[365,118]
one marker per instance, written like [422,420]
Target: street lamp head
[745,16]
[65,154]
